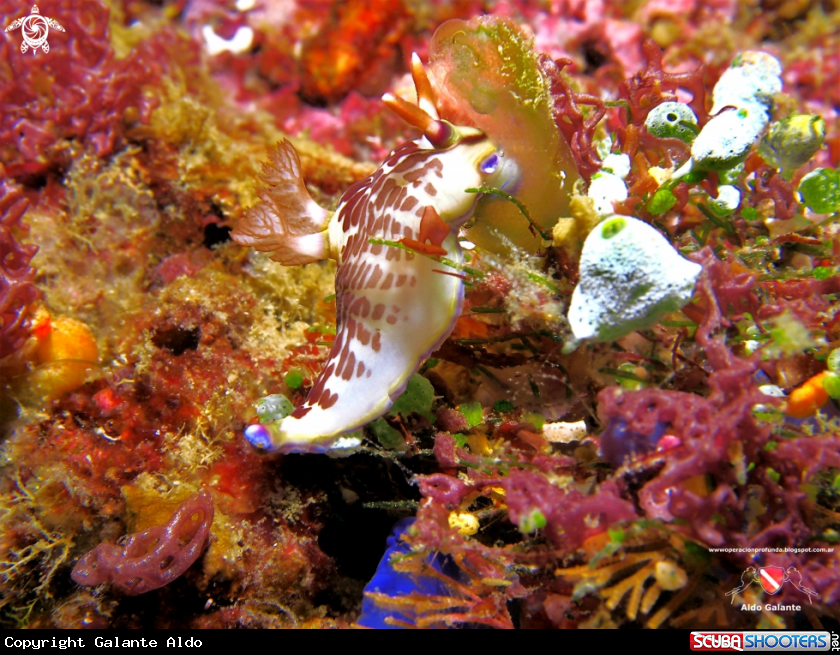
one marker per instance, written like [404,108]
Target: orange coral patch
[808,398]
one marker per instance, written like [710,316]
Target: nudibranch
[394,306]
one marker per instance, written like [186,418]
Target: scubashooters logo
[35,29]
[771,579]
[764,640]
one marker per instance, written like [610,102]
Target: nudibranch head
[471,159]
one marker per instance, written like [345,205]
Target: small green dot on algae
[613,227]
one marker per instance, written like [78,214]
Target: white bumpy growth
[629,276]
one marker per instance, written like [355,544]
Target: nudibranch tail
[392,315]
[288,222]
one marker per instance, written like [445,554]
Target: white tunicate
[729,197]
[564,432]
[618,164]
[731,175]
[726,139]
[630,275]
[768,390]
[771,390]
[604,189]
[672,120]
[753,79]
[603,147]
[274,407]
[792,141]
[743,99]
[241,41]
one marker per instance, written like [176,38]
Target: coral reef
[638,478]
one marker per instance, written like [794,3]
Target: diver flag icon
[771,578]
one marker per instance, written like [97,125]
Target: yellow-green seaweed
[487,75]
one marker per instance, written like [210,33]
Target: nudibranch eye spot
[489,165]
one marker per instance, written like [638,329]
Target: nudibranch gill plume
[394,306]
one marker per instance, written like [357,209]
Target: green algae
[488,75]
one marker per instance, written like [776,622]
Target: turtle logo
[35,28]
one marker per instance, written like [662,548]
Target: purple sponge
[153,558]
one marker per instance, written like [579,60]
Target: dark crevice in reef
[214,234]
[177,340]
[354,535]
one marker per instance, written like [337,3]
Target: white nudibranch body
[630,276]
[393,307]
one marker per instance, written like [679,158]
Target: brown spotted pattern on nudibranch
[394,307]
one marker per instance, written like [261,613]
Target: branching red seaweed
[81,92]
[577,127]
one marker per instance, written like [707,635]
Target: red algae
[88,97]
[345,50]
[18,292]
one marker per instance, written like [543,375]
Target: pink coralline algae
[17,290]
[648,89]
[571,517]
[79,92]
[716,434]
[153,558]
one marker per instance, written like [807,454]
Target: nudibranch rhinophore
[394,306]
